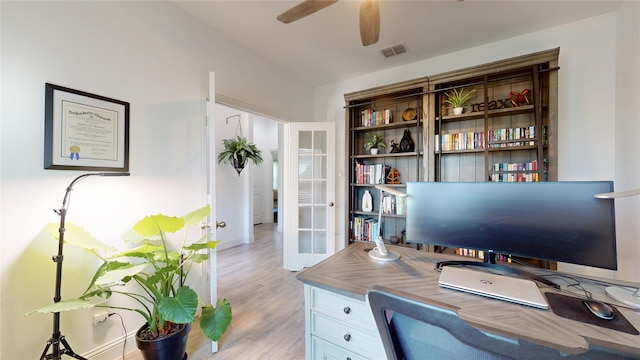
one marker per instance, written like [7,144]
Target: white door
[210,192]
[257,192]
[309,235]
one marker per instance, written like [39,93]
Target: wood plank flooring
[267,303]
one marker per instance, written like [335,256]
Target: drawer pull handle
[347,337]
[348,358]
[347,310]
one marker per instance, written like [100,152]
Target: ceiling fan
[369,16]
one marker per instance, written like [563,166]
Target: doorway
[247,198]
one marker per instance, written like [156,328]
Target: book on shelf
[460,141]
[372,117]
[507,137]
[393,205]
[479,254]
[401,205]
[364,229]
[514,172]
[371,173]
[496,138]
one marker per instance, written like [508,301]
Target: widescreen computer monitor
[557,221]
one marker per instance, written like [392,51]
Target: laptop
[519,291]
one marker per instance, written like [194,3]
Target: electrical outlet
[100,317]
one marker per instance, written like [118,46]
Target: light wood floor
[267,303]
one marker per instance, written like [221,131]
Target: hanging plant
[237,151]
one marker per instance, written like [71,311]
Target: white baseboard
[229,243]
[113,350]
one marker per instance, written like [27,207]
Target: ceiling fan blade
[369,22]
[303,9]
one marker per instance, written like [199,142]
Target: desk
[338,285]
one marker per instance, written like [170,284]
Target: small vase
[374,151]
[406,143]
[238,164]
[458,110]
[367,201]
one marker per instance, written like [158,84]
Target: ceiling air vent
[394,50]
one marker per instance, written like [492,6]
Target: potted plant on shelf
[165,302]
[237,151]
[374,142]
[457,99]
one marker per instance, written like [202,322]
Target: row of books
[364,229]
[514,172]
[507,137]
[528,132]
[371,174]
[480,254]
[394,205]
[460,141]
[371,117]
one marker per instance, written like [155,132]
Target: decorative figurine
[393,177]
[394,147]
[519,98]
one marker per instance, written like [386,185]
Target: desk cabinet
[339,327]
[339,323]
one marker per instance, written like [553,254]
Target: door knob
[331,204]
[220,224]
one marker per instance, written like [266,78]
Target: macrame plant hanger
[238,164]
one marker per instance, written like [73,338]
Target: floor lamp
[627,295]
[59,344]
[380,252]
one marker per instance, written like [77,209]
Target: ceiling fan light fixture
[303,9]
[369,22]
[369,17]
[394,50]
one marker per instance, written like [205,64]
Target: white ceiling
[325,47]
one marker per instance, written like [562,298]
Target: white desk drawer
[323,350]
[346,335]
[341,307]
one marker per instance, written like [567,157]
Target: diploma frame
[85,131]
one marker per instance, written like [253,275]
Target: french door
[309,234]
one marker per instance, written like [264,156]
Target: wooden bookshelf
[398,100]
[500,136]
[517,135]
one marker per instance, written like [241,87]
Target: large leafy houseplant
[158,271]
[237,151]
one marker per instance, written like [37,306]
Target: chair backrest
[417,328]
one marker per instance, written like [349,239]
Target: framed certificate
[85,131]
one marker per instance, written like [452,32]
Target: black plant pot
[238,165]
[172,347]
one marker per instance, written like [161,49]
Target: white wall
[146,53]
[596,141]
[268,141]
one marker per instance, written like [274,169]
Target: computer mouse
[600,309]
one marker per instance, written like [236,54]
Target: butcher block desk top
[351,272]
